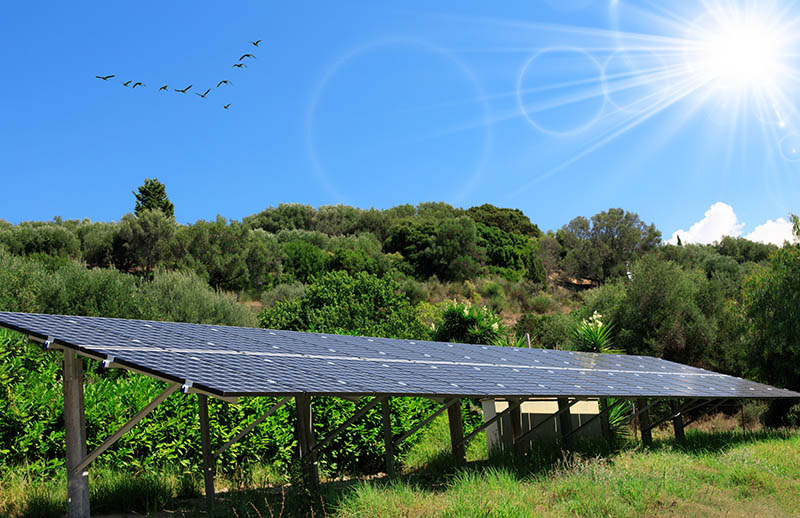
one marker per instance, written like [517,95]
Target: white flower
[495,326]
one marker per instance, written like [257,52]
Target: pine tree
[153,195]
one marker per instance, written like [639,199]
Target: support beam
[515,418]
[305,439]
[386,418]
[602,415]
[208,459]
[88,459]
[236,438]
[689,405]
[644,422]
[605,424]
[457,433]
[677,422]
[355,417]
[75,431]
[565,418]
[513,405]
[637,410]
[425,421]
[530,432]
[713,407]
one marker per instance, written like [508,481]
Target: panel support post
[677,421]
[515,417]
[565,419]
[75,431]
[457,433]
[208,457]
[305,439]
[605,424]
[388,439]
[644,422]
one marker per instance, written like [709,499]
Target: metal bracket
[125,428]
[249,427]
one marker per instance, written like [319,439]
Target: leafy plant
[594,336]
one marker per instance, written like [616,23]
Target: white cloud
[775,232]
[720,220]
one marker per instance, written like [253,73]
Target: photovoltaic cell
[239,361]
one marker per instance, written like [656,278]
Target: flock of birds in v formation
[240,65]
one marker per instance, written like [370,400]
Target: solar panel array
[241,361]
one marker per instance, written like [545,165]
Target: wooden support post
[644,422]
[677,421]
[565,419]
[457,433]
[208,457]
[305,439]
[515,418]
[75,431]
[605,424]
[388,439]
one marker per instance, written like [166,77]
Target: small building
[534,413]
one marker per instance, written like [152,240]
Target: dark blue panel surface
[232,361]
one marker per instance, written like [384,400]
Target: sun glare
[736,51]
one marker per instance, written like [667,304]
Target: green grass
[727,473]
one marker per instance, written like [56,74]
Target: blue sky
[558,108]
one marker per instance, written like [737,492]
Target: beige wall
[533,413]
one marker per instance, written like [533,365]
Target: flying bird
[165,88]
[184,90]
[105,78]
[255,43]
[203,95]
[226,106]
[138,83]
[239,65]
[224,82]
[126,83]
[247,56]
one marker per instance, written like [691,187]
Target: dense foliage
[431,271]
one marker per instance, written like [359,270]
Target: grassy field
[721,471]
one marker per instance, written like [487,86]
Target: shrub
[340,303]
[469,324]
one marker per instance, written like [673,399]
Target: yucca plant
[594,336]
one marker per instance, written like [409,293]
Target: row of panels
[240,361]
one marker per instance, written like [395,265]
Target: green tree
[286,216]
[303,261]
[456,255]
[143,240]
[338,302]
[413,240]
[513,221]
[605,246]
[661,311]
[151,196]
[771,303]
[228,255]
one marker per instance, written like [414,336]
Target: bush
[75,290]
[285,292]
[469,324]
[542,303]
[548,331]
[337,302]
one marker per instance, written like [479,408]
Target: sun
[737,51]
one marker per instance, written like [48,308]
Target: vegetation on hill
[432,271]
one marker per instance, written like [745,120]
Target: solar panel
[240,361]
